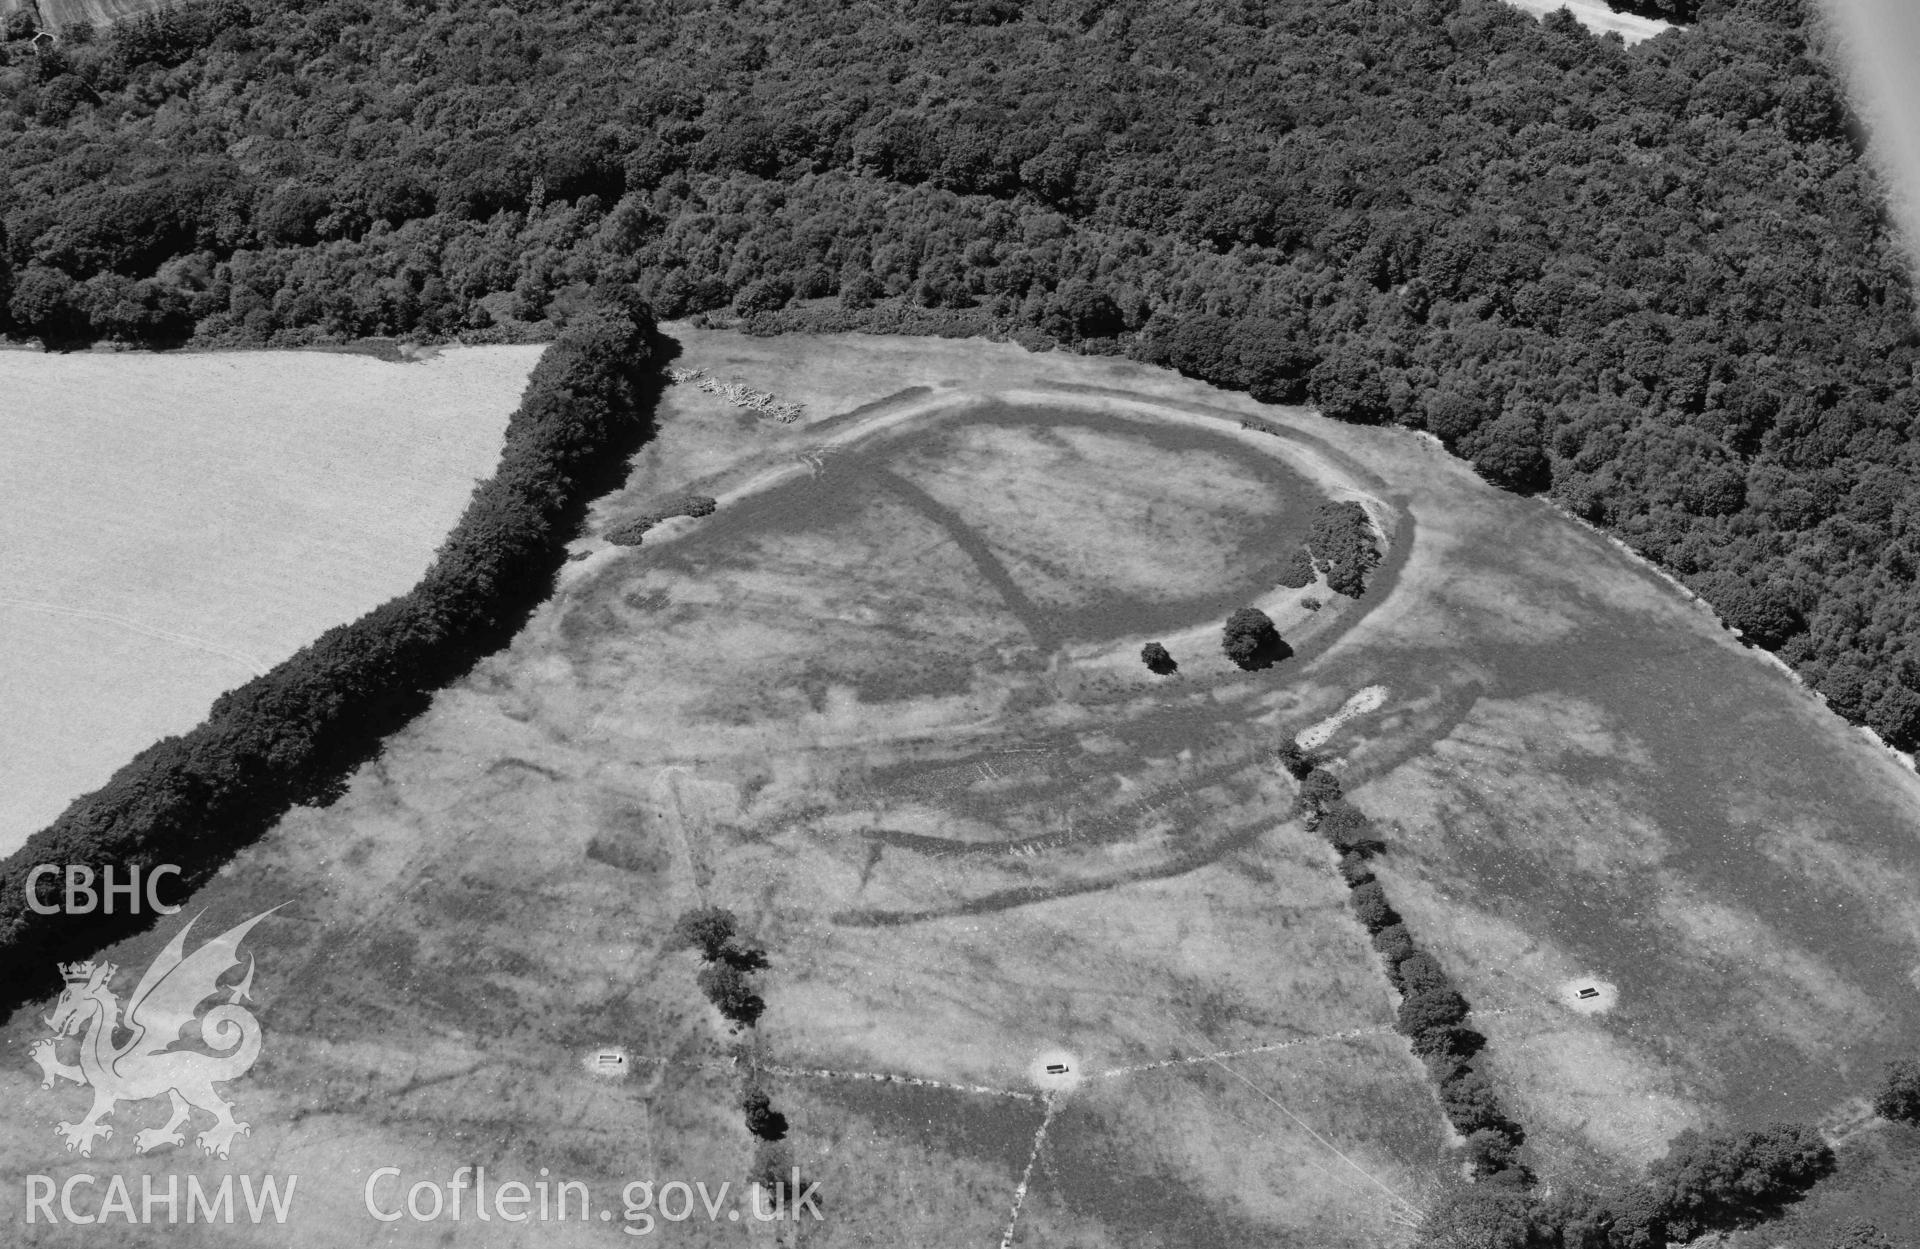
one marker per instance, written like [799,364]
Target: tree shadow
[1272,649]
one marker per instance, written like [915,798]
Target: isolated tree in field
[762,1119]
[1298,762]
[1899,1098]
[742,957]
[728,988]
[714,931]
[1158,661]
[1320,790]
[708,929]
[1250,639]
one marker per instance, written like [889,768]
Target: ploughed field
[886,704]
[178,523]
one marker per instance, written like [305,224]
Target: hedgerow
[292,735]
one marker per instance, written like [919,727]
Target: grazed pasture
[886,704]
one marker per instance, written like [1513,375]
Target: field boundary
[295,734]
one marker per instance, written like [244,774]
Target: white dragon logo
[148,1064]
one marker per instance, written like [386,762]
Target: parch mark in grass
[1432,1014]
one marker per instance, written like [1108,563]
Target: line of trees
[293,735]
[1705,1183]
[632,532]
[728,963]
[1432,1013]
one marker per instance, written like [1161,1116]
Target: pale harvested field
[881,707]
[178,523]
[1598,18]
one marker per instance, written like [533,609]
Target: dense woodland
[1656,281]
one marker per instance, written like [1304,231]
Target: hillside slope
[1657,281]
[867,706]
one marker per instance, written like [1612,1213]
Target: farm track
[255,666]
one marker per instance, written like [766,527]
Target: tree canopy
[1899,1096]
[1250,639]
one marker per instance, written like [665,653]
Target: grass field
[886,704]
[179,523]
